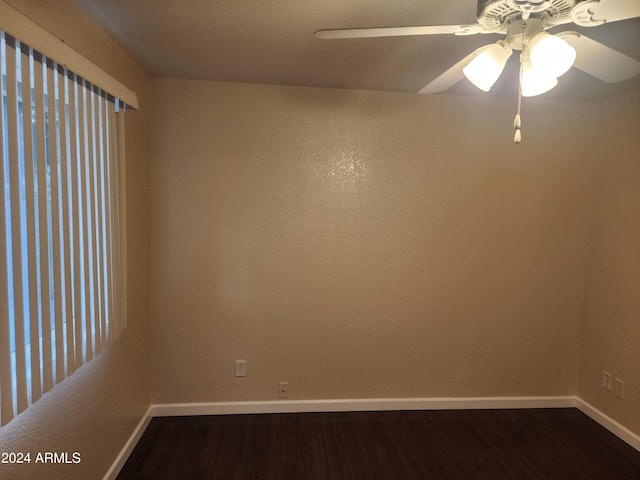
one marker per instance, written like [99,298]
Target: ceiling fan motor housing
[530,5]
[494,14]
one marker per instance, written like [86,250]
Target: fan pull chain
[517,122]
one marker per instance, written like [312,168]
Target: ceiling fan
[544,57]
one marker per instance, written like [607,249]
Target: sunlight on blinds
[62,272]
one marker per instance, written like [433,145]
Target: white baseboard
[122,457]
[367,405]
[346,405]
[609,423]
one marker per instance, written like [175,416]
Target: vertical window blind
[62,256]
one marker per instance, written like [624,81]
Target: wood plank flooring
[535,444]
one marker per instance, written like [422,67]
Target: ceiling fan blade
[601,61]
[452,76]
[397,31]
[615,10]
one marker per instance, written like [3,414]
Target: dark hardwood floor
[537,444]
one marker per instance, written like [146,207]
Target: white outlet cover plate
[241,368]
[619,388]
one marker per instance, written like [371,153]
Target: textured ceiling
[272,42]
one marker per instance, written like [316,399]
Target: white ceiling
[262,41]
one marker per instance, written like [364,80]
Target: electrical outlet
[606,380]
[241,368]
[619,388]
[283,389]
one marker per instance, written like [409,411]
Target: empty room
[330,240]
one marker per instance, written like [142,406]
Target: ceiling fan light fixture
[485,68]
[534,81]
[551,54]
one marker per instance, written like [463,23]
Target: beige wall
[611,334]
[365,244]
[96,409]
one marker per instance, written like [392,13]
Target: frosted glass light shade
[486,67]
[551,55]
[535,82]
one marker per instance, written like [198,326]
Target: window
[61,250]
